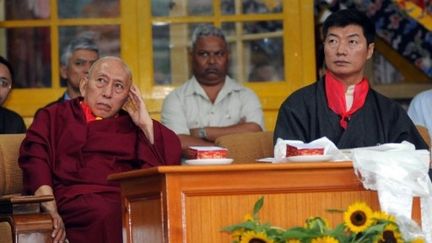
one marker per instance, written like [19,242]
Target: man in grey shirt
[210,104]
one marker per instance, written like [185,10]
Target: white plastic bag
[397,172]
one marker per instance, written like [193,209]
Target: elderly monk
[72,147]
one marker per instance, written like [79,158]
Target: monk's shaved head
[111,59]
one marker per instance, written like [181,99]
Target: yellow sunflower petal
[292,241]
[252,235]
[237,234]
[248,217]
[418,240]
[383,216]
[325,239]
[358,217]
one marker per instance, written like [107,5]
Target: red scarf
[89,116]
[335,91]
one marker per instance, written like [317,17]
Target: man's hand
[59,231]
[194,132]
[138,112]
[242,121]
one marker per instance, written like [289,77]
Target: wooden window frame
[136,22]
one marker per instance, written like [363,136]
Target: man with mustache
[342,106]
[210,104]
[72,146]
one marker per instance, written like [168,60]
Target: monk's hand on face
[138,112]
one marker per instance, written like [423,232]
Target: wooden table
[193,203]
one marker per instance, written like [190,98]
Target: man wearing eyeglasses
[10,121]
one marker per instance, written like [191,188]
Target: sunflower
[248,217]
[390,234]
[418,240]
[292,241]
[383,216]
[358,217]
[255,237]
[325,239]
[236,234]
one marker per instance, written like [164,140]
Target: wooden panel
[207,215]
[146,218]
[143,208]
[215,199]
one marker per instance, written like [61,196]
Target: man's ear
[370,50]
[83,85]
[63,72]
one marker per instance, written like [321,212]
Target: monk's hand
[138,112]
[59,232]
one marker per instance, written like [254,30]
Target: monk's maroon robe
[74,157]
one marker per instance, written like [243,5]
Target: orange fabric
[89,116]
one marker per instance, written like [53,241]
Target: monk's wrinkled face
[106,89]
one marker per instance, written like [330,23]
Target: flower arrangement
[361,225]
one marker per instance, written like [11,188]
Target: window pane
[107,37]
[170,52]
[200,7]
[88,8]
[182,8]
[161,7]
[19,9]
[256,52]
[262,27]
[28,50]
[161,54]
[264,60]
[251,6]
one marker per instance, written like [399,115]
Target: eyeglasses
[4,83]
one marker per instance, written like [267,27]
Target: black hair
[5,62]
[347,17]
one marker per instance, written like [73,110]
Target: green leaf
[339,230]
[371,232]
[375,229]
[316,224]
[249,225]
[257,207]
[296,234]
